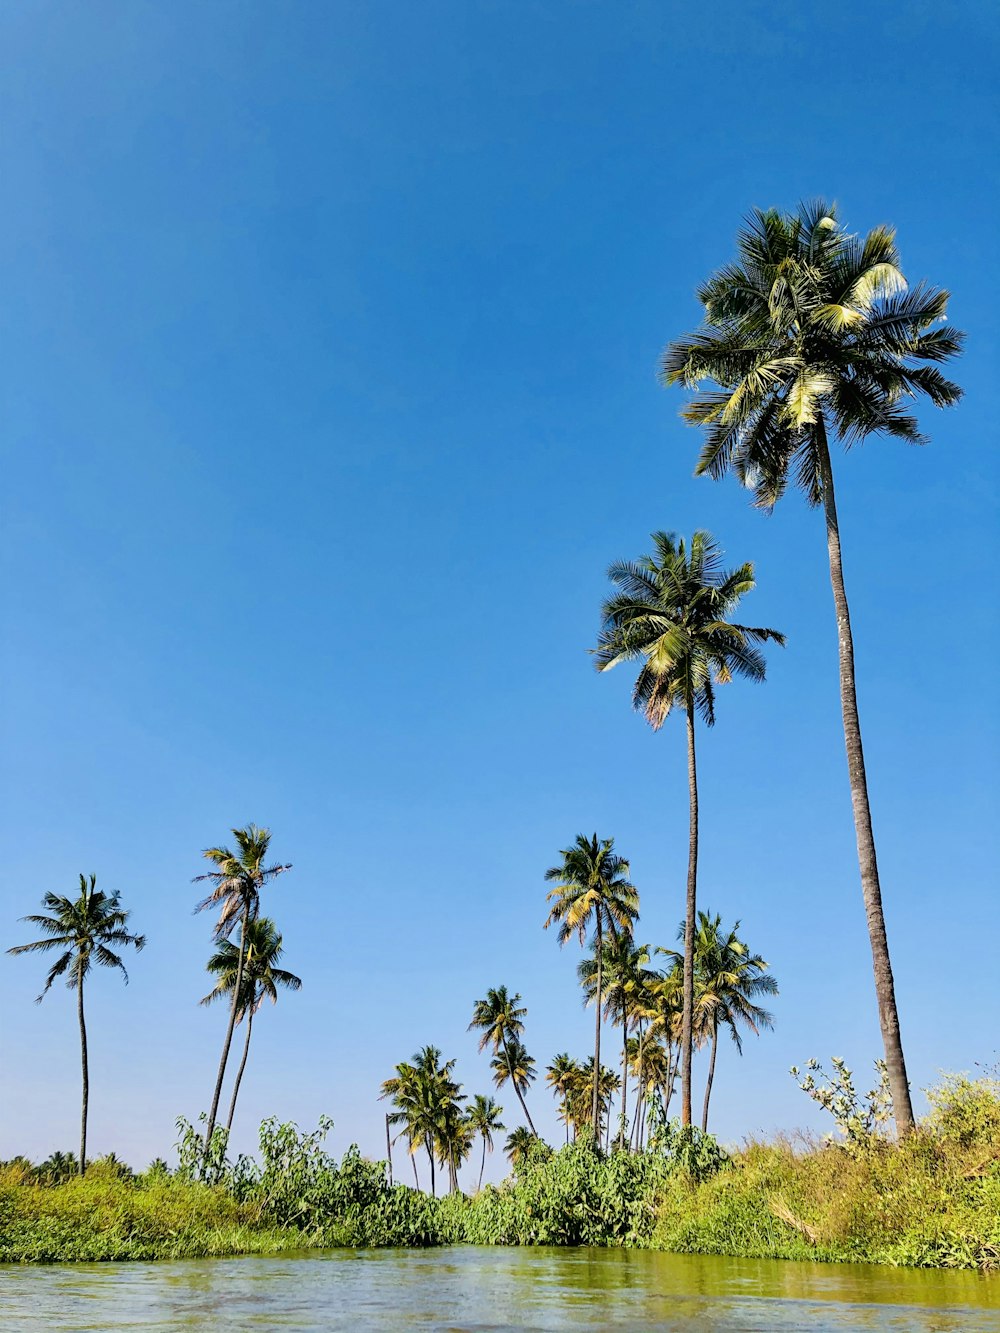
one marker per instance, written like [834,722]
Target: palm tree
[427,1102]
[729,980]
[484,1119]
[514,1063]
[236,885]
[592,889]
[260,982]
[87,930]
[560,1076]
[499,1017]
[624,973]
[813,332]
[670,612]
[519,1145]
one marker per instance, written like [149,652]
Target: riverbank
[931,1201]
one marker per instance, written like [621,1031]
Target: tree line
[810,336]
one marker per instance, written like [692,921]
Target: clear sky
[330,335]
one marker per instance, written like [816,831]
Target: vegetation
[669,612]
[813,332]
[87,930]
[932,1199]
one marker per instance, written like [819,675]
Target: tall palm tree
[624,972]
[260,982]
[592,889]
[669,612]
[499,1018]
[236,882]
[484,1119]
[812,332]
[87,930]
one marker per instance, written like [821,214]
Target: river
[493,1289]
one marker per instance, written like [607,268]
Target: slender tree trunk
[482,1166]
[711,1074]
[233,1008]
[671,1080]
[623,1117]
[687,1024]
[430,1155]
[871,889]
[239,1072]
[517,1090]
[388,1148]
[595,1100]
[416,1178]
[85,1065]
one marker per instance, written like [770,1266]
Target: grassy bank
[931,1201]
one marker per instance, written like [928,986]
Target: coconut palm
[519,1144]
[86,930]
[499,1018]
[592,890]
[516,1065]
[560,1076]
[811,333]
[729,981]
[260,982]
[484,1119]
[427,1101]
[624,971]
[670,612]
[236,883]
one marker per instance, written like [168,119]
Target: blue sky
[330,343]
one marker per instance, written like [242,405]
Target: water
[490,1290]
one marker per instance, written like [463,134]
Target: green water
[492,1289]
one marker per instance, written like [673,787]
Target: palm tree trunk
[430,1154]
[237,988]
[416,1178]
[671,1080]
[239,1072]
[85,1068]
[624,1111]
[517,1090]
[687,1043]
[388,1148]
[482,1166]
[595,1099]
[871,889]
[711,1074]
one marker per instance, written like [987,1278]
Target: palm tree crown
[669,613]
[811,327]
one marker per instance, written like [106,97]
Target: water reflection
[492,1290]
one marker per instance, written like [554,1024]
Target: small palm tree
[499,1018]
[729,979]
[812,332]
[670,612]
[87,930]
[592,888]
[625,973]
[427,1101]
[516,1065]
[236,883]
[560,1076]
[260,982]
[519,1145]
[484,1119]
